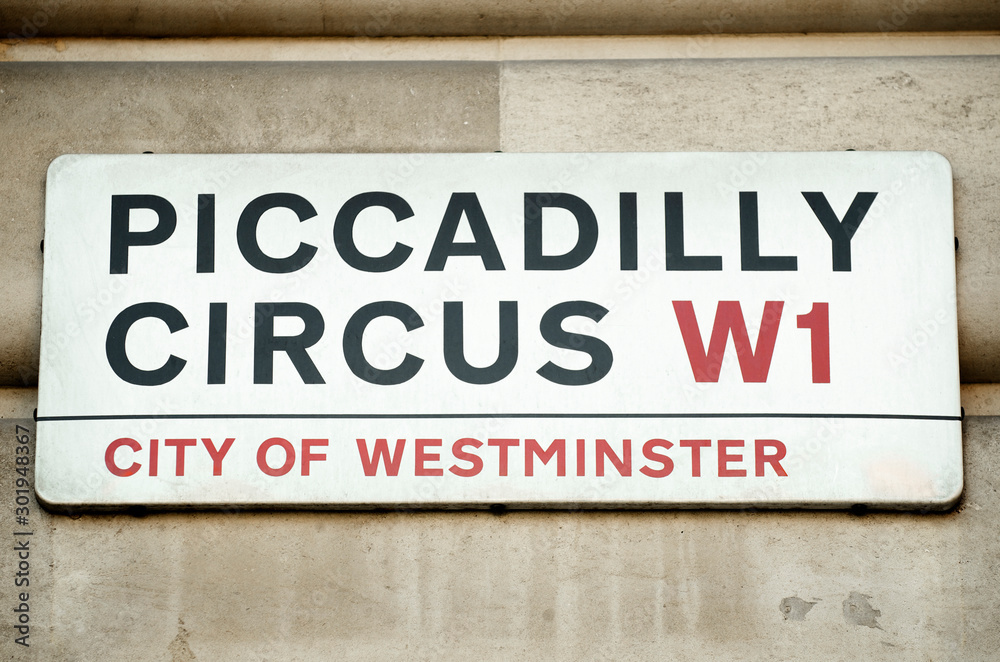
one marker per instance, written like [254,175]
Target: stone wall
[567,585]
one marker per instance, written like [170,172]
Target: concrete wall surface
[357,18]
[560,585]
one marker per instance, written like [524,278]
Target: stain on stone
[858,611]
[548,615]
[898,81]
[795,609]
[179,649]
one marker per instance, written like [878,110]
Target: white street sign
[642,330]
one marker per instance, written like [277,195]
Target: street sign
[538,330]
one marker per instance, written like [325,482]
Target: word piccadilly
[467,206]
[555,330]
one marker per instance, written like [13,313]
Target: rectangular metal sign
[712,329]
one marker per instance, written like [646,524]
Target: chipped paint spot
[858,611]
[795,609]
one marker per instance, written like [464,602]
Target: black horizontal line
[133,417]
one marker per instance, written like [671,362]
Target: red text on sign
[471,457]
[755,362]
